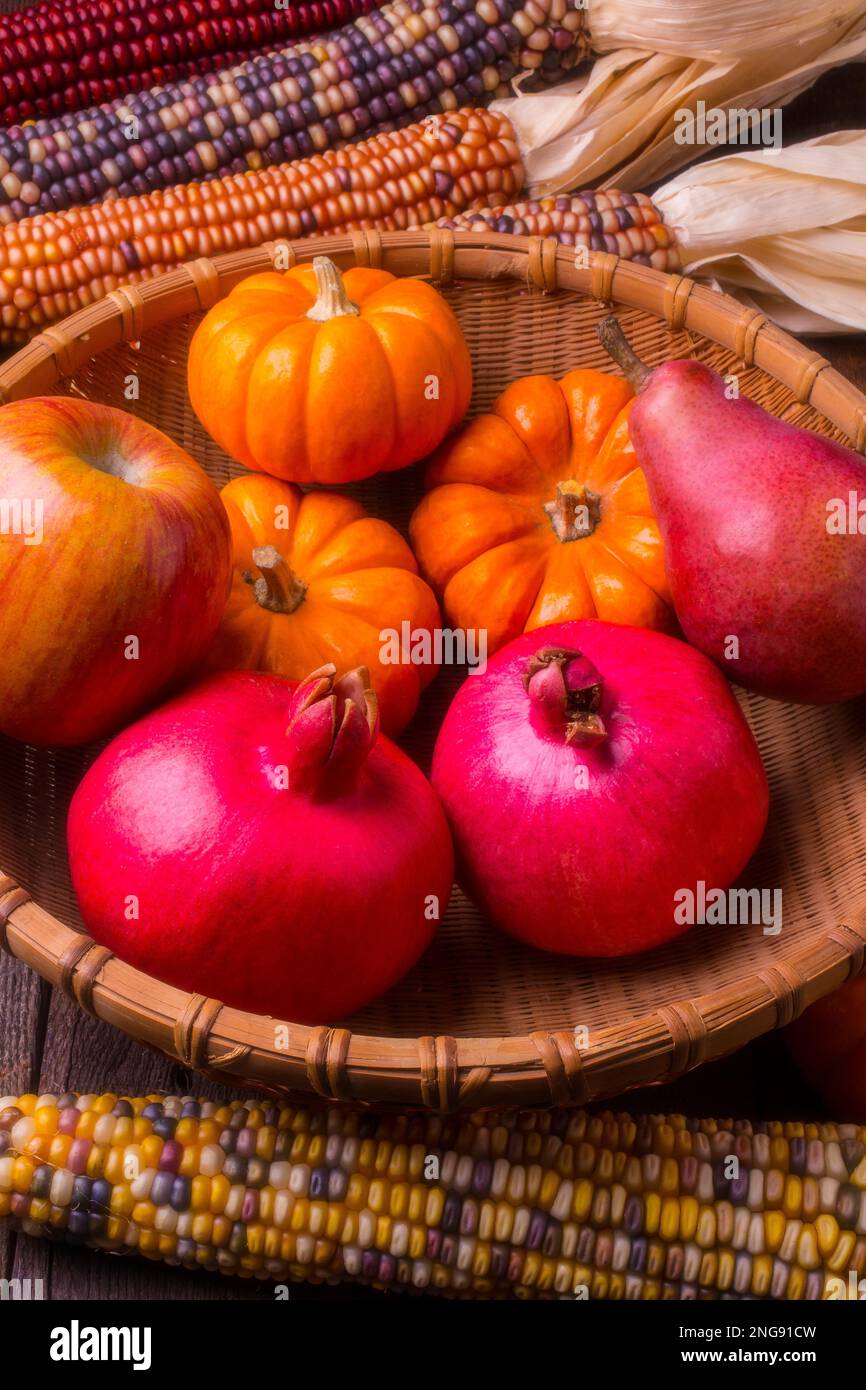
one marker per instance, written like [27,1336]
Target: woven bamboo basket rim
[443,1073]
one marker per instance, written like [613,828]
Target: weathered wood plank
[23,1008]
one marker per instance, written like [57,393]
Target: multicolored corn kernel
[624,224]
[52,265]
[540,1205]
[388,68]
[49,65]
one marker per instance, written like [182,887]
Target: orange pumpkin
[318,377]
[317,580]
[538,513]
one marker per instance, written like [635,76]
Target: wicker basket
[481,1021]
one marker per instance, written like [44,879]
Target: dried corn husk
[783,229]
[708,29]
[615,124]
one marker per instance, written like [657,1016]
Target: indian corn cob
[545,1204]
[411,58]
[49,65]
[628,225]
[52,265]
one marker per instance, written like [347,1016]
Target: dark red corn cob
[51,62]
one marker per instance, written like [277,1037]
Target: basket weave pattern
[482,1020]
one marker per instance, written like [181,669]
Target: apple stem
[614,342]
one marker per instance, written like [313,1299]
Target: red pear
[764,529]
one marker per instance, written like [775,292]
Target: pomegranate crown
[565,690]
[333,723]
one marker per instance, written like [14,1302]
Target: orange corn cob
[53,264]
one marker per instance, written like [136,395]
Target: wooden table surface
[47,1045]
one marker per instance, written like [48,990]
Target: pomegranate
[255,842]
[593,776]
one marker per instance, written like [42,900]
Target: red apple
[115,566]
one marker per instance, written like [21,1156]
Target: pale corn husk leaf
[714,28]
[736,277]
[616,123]
[785,228]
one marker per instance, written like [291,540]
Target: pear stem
[614,342]
[278,589]
[575,511]
[332,301]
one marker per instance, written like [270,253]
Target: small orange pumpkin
[317,377]
[538,513]
[317,580]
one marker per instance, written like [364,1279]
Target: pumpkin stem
[617,345]
[575,511]
[565,689]
[332,301]
[333,724]
[278,589]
